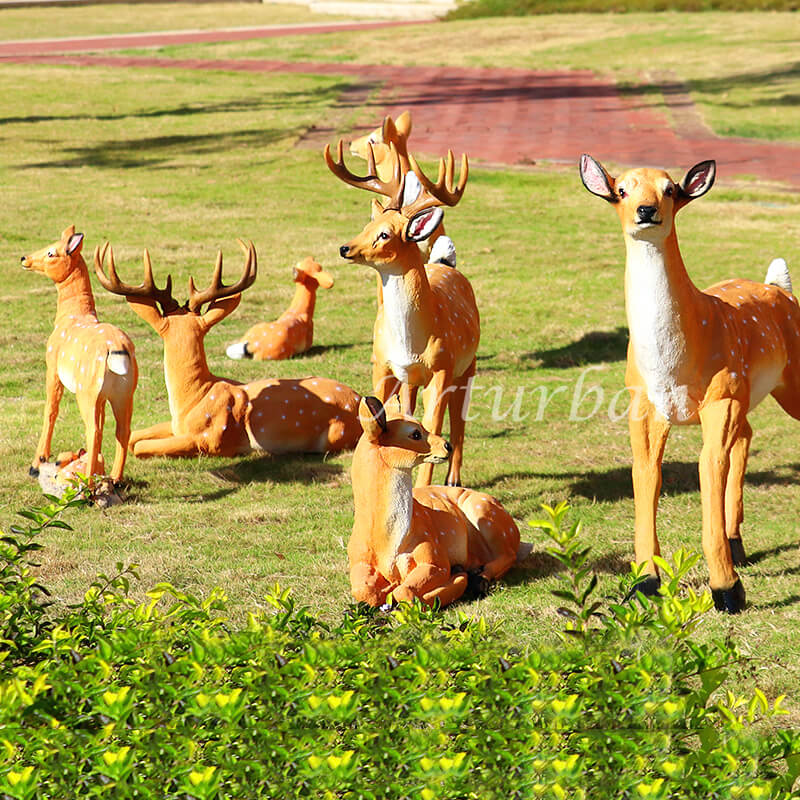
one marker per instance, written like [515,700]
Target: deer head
[392,132]
[310,274]
[413,211]
[58,259]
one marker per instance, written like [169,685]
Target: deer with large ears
[223,417]
[293,332]
[695,357]
[93,359]
[430,543]
[427,328]
[380,141]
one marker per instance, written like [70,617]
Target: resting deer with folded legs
[430,543]
[92,359]
[427,328]
[223,417]
[695,357]
[293,332]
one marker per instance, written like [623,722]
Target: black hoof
[477,583]
[731,601]
[737,552]
[649,587]
[33,472]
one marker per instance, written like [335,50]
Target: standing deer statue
[427,328]
[92,359]
[293,332]
[430,543]
[223,417]
[694,356]
[437,248]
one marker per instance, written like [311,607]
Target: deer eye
[384,235]
[669,191]
[416,435]
[51,253]
[621,192]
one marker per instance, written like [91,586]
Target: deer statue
[293,332]
[427,329]
[92,359]
[396,132]
[432,543]
[222,417]
[694,356]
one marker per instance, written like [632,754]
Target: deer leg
[384,383]
[429,582]
[648,432]
[163,430]
[408,398]
[722,425]
[93,411]
[458,402]
[434,396]
[367,585]
[734,505]
[123,411]
[173,446]
[54,389]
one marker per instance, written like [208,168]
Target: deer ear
[372,416]
[596,179]
[67,232]
[375,209]
[75,243]
[324,279]
[219,309]
[412,189]
[389,130]
[697,181]
[403,124]
[422,225]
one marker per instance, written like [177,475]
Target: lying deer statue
[432,543]
[293,332]
[380,141]
[427,328]
[93,359]
[695,357]
[222,417]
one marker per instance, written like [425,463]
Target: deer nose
[448,447]
[646,213]
[344,250]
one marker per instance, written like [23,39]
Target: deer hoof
[33,472]
[737,552]
[648,587]
[477,584]
[731,601]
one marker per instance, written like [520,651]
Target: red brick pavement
[499,116]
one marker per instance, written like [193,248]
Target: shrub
[163,699]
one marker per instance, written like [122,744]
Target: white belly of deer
[398,518]
[658,342]
[398,313]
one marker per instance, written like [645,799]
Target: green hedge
[522,8]
[164,699]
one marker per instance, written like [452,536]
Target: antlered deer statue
[225,417]
[293,332]
[427,328]
[694,356]
[430,543]
[93,359]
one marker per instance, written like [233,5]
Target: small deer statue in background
[380,141]
[93,359]
[694,356]
[223,417]
[427,328]
[293,332]
[431,543]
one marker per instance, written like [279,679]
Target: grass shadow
[595,347]
[280,469]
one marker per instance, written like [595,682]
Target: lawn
[159,159]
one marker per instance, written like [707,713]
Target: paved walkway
[497,116]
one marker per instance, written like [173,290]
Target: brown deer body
[223,417]
[430,543]
[293,332]
[696,357]
[427,329]
[95,360]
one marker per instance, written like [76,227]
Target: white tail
[778,275]
[427,329]
[695,357]
[430,543]
[218,416]
[94,360]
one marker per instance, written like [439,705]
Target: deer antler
[393,189]
[441,193]
[217,290]
[148,288]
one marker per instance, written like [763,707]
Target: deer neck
[384,504]
[75,296]
[303,301]
[186,371]
[407,310]
[663,310]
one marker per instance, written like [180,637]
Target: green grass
[162,160]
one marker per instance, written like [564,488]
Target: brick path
[498,116]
